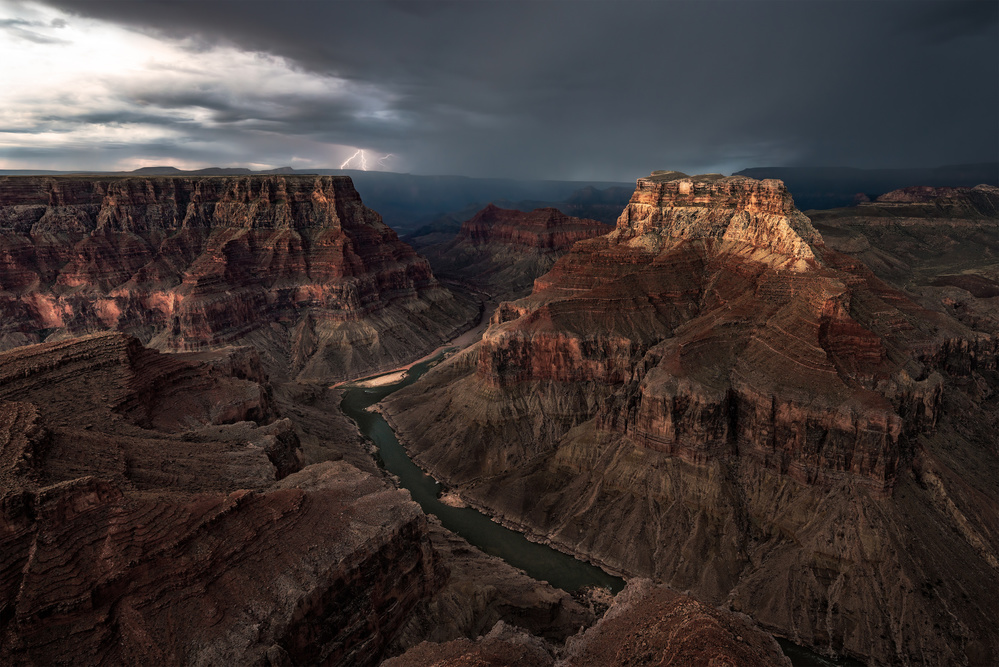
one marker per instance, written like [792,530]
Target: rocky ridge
[502,251]
[767,422]
[938,245]
[645,624]
[295,265]
[154,508]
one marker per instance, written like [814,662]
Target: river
[537,560]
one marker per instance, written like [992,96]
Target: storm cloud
[544,89]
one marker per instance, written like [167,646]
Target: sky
[554,89]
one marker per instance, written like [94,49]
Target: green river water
[537,560]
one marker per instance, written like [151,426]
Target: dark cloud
[604,89]
[21,29]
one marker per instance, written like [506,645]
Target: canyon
[500,251]
[790,418]
[294,265]
[155,510]
[716,397]
[159,509]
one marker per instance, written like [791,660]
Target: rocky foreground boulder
[645,625]
[713,397]
[294,265]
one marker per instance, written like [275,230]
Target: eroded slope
[295,265]
[502,251]
[711,396]
[153,511]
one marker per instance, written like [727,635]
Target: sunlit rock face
[711,396]
[502,251]
[294,264]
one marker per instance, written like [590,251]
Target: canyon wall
[645,624]
[295,265]
[154,510]
[713,397]
[501,251]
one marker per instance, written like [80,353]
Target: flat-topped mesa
[193,262]
[89,203]
[978,203]
[743,215]
[753,433]
[545,228]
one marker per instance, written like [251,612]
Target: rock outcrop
[645,625]
[502,251]
[938,245]
[650,624]
[153,510]
[762,420]
[295,265]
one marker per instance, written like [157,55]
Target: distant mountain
[603,205]
[407,201]
[833,187]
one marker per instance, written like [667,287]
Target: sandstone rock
[502,647]
[751,411]
[154,511]
[938,245]
[295,265]
[481,591]
[647,624]
[502,251]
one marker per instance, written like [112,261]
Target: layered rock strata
[938,245]
[645,624]
[762,420]
[295,265]
[502,251]
[153,510]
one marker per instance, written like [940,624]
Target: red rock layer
[919,194]
[199,262]
[654,625]
[502,251]
[502,647]
[546,228]
[957,205]
[752,344]
[146,519]
[645,625]
[711,396]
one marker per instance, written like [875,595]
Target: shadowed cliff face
[939,245]
[644,625]
[502,251]
[294,264]
[711,396]
[153,510]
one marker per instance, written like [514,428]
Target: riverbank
[459,343]
[454,498]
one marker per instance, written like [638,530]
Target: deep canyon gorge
[770,424]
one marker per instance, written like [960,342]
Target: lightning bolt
[359,153]
[381,160]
